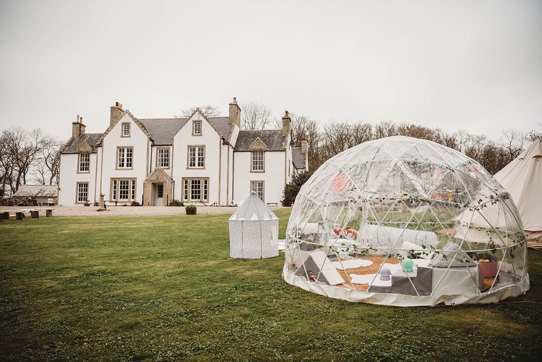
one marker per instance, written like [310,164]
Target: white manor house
[196,160]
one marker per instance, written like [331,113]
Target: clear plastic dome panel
[403,221]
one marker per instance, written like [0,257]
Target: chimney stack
[78,128]
[286,124]
[116,113]
[235,113]
[304,146]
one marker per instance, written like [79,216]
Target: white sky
[471,65]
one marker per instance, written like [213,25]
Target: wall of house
[212,141]
[138,140]
[273,177]
[69,178]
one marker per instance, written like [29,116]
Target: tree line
[328,140]
[33,157]
[332,138]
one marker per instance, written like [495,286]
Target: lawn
[163,287]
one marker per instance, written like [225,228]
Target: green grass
[163,287]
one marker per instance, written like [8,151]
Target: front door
[159,199]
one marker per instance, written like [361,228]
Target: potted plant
[488,264]
[190,209]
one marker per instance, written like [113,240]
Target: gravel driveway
[121,210]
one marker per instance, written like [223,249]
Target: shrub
[291,189]
[176,203]
[190,209]
[135,203]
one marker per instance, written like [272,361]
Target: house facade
[197,160]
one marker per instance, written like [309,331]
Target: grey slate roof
[91,138]
[271,137]
[162,130]
[298,158]
[222,124]
[37,191]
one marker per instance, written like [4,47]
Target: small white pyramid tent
[522,178]
[254,230]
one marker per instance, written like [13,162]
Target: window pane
[192,157]
[201,160]
[195,190]
[123,189]
[82,193]
[121,158]
[160,191]
[257,161]
[128,157]
[133,189]
[186,189]
[205,190]
[257,187]
[197,128]
[84,162]
[163,158]
[114,194]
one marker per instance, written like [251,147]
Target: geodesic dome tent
[254,230]
[389,222]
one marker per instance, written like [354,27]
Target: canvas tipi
[522,178]
[254,230]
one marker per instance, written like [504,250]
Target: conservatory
[402,221]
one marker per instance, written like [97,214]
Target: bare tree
[385,129]
[207,110]
[20,149]
[361,132]
[513,142]
[255,116]
[7,162]
[448,139]
[412,130]
[48,161]
[305,128]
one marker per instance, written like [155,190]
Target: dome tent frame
[402,197]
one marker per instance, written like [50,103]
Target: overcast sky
[471,65]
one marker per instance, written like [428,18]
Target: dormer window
[125,129]
[196,128]
[84,162]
